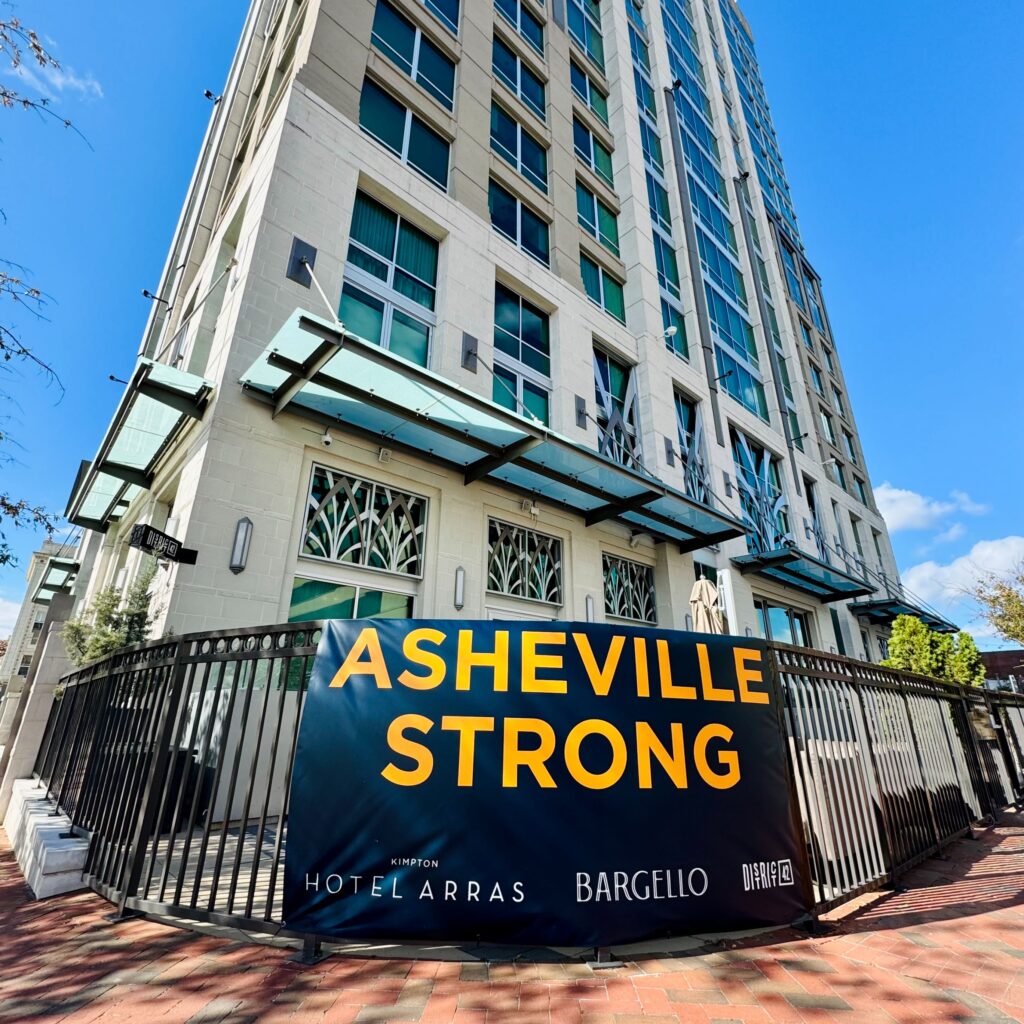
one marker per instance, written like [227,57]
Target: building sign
[571,784]
[154,542]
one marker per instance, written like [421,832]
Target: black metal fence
[176,758]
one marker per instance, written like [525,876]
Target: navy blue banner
[565,784]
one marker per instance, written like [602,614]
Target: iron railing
[175,758]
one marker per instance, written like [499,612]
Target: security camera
[327,440]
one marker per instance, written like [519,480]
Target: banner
[565,784]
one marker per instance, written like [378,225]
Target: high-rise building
[493,308]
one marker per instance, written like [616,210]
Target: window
[26,664]
[712,216]
[848,445]
[522,355]
[675,329]
[585,28]
[390,281]
[516,14]
[592,152]
[829,365]
[883,648]
[644,96]
[876,539]
[762,500]
[665,261]
[523,563]
[827,427]
[721,270]
[513,143]
[37,630]
[628,590]
[321,599]
[651,146]
[602,288]
[835,470]
[860,490]
[816,381]
[405,45]
[805,333]
[812,297]
[740,383]
[352,521]
[518,223]
[731,327]
[446,10]
[589,93]
[865,641]
[404,134]
[657,200]
[792,278]
[597,219]
[782,624]
[696,478]
[509,69]
[638,48]
[618,429]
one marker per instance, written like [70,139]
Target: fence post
[883,805]
[920,767]
[778,696]
[1004,737]
[148,808]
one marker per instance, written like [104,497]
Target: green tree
[110,624]
[913,647]
[1002,602]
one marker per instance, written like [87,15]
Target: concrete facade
[284,159]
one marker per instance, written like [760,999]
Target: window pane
[778,623]
[599,104]
[316,599]
[591,278]
[531,29]
[532,89]
[535,400]
[535,235]
[504,134]
[378,604]
[503,388]
[585,208]
[447,11]
[436,73]
[382,116]
[409,338]
[417,253]
[428,153]
[504,61]
[394,36]
[581,140]
[535,161]
[361,314]
[603,162]
[613,300]
[503,210]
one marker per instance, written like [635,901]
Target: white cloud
[946,583]
[8,614]
[49,80]
[954,532]
[908,510]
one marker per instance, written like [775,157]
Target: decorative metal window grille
[762,502]
[690,426]
[618,428]
[523,563]
[628,589]
[360,522]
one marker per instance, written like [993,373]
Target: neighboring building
[44,567]
[1004,669]
[585,358]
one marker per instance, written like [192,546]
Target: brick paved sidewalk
[949,949]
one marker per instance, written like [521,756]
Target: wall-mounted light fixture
[460,589]
[240,547]
[590,607]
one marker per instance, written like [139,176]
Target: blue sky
[901,128]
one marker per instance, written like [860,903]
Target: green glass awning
[796,569]
[315,369]
[884,609]
[58,577]
[158,401]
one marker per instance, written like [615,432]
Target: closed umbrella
[704,610]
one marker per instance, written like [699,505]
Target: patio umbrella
[707,618]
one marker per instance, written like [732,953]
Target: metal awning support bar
[492,462]
[616,508]
[303,374]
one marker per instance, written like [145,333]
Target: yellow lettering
[674,763]
[746,675]
[711,692]
[668,688]
[533,661]
[406,747]
[467,726]
[427,659]
[728,759]
[367,643]
[573,742]
[470,659]
[514,756]
[643,685]
[600,678]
